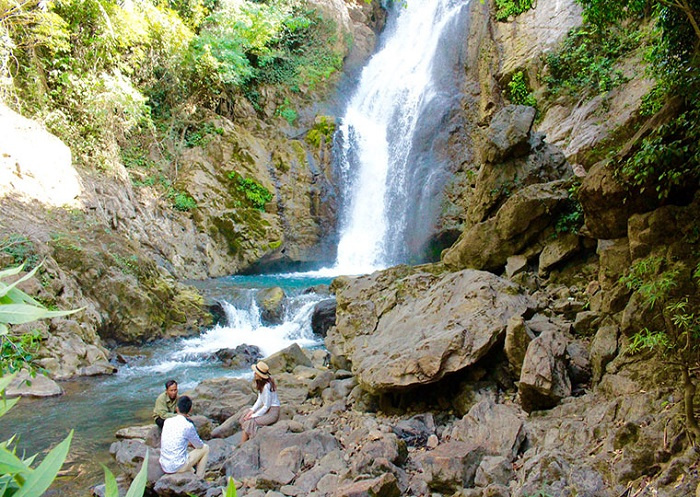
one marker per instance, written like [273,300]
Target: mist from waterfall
[392,182]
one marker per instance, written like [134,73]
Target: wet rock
[323,317]
[218,313]
[544,380]
[242,357]
[271,303]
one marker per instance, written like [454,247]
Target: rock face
[405,327]
[521,222]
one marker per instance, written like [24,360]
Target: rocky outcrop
[522,224]
[405,327]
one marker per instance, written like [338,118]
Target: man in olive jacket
[165,403]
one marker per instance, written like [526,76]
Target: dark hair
[184,404]
[260,384]
[170,383]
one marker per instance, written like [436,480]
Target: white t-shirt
[178,432]
[266,399]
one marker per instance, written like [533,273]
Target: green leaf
[6,405]
[17,296]
[5,381]
[11,464]
[230,488]
[4,330]
[11,271]
[30,274]
[111,489]
[139,484]
[24,313]
[46,472]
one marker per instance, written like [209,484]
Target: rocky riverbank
[510,409]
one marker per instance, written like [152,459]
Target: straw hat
[261,369]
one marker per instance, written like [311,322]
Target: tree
[671,295]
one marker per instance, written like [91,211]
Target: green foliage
[253,191]
[571,218]
[16,307]
[323,129]
[202,136]
[669,158]
[671,292]
[286,112]
[518,91]
[230,490]
[507,8]
[183,202]
[587,62]
[20,249]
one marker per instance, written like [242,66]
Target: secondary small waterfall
[391,176]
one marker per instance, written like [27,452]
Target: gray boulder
[544,380]
[403,331]
[241,357]
[496,429]
[181,485]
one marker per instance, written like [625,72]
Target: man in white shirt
[178,433]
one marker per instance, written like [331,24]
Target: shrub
[253,191]
[507,8]
[184,202]
[518,91]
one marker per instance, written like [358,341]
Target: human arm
[192,436]
[262,405]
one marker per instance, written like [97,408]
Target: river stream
[95,408]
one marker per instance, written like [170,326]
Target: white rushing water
[378,132]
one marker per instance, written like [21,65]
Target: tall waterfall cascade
[392,178]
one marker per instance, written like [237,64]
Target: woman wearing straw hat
[266,409]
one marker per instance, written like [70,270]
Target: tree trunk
[689,398]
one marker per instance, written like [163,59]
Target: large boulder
[521,222]
[403,327]
[221,398]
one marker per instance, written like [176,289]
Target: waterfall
[391,177]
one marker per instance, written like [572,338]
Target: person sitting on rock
[179,432]
[165,403]
[266,409]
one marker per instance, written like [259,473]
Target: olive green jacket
[164,408]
